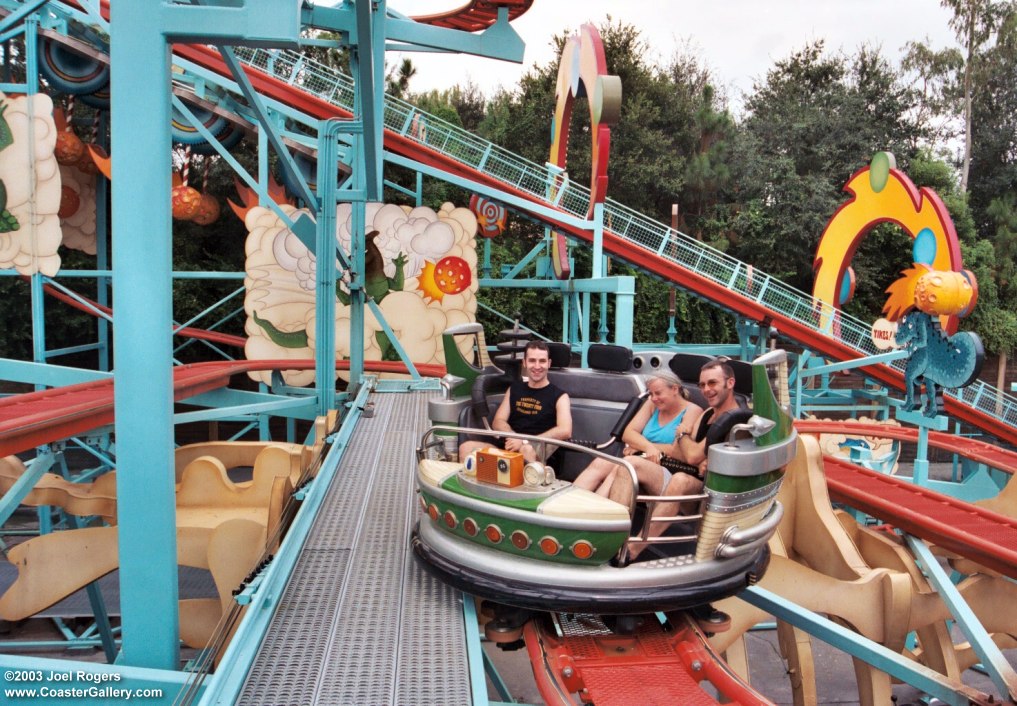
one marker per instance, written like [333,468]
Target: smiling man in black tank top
[532,406]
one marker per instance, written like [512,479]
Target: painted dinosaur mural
[420,268]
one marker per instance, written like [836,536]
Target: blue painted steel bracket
[499,41]
[254,23]
[19,14]
[855,363]
[10,500]
[48,374]
[993,660]
[880,657]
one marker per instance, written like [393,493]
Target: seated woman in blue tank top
[647,437]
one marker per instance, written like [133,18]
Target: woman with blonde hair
[650,435]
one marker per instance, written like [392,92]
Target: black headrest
[686,366]
[720,427]
[743,376]
[604,356]
[560,354]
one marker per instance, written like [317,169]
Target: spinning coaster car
[516,534]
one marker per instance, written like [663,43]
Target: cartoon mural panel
[419,268]
[29,224]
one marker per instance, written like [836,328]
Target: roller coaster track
[320,93]
[475,15]
[984,536]
[979,534]
[980,451]
[38,418]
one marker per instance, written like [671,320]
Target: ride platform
[359,621]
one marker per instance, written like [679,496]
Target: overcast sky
[737,39]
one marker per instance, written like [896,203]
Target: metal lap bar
[651,501]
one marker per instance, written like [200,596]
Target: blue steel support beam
[325,272]
[10,500]
[140,64]
[369,76]
[16,17]
[261,112]
[142,299]
[896,665]
[995,663]
[885,358]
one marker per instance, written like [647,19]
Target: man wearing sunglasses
[716,382]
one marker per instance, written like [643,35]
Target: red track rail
[980,451]
[649,666]
[475,15]
[981,535]
[38,418]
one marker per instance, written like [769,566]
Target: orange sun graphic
[450,276]
[427,284]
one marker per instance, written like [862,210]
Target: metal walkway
[359,622]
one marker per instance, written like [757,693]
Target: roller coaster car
[537,542]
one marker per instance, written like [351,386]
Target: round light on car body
[582,549]
[521,540]
[533,473]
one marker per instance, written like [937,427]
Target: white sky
[737,39]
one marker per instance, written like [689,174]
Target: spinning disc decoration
[583,72]
[70,72]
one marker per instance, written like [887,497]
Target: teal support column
[325,274]
[357,295]
[624,311]
[140,36]
[263,171]
[924,424]
[35,282]
[598,241]
[102,244]
[602,328]
[143,302]
[585,324]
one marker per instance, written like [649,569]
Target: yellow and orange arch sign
[880,193]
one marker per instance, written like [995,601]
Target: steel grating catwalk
[359,622]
